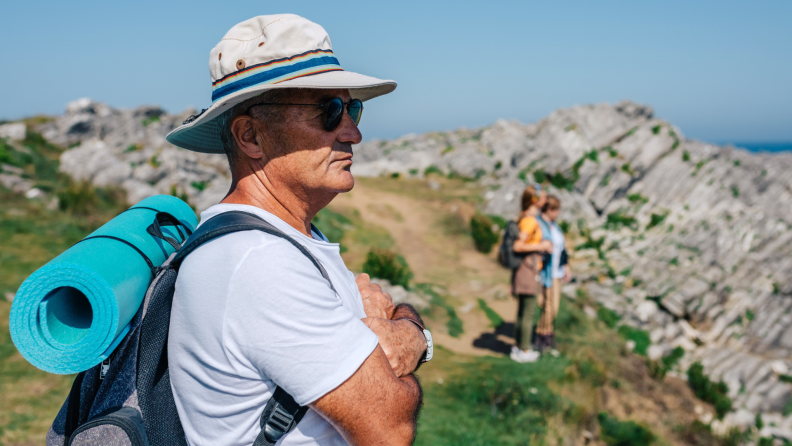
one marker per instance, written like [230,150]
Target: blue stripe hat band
[276,71]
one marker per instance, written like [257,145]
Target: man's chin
[344,182]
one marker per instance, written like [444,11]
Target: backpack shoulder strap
[281,413]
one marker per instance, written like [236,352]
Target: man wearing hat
[251,313]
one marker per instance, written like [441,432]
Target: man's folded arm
[374,406]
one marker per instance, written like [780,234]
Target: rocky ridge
[686,240]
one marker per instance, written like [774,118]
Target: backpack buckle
[278,423]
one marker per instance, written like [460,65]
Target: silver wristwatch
[428,335]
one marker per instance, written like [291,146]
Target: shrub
[616,220]
[709,391]
[611,152]
[559,181]
[483,236]
[658,369]
[386,264]
[655,220]
[637,198]
[627,169]
[432,169]
[656,129]
[608,316]
[735,191]
[685,156]
[200,185]
[150,119]
[623,433]
[5,153]
[540,176]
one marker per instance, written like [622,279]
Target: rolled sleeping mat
[71,313]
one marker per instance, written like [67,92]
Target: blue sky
[720,70]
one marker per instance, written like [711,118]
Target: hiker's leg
[525,315]
[556,298]
[545,326]
[518,321]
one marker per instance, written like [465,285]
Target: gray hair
[266,113]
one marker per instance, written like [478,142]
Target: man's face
[304,154]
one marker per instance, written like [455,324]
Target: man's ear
[245,131]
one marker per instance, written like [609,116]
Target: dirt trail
[414,224]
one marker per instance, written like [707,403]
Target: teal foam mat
[71,313]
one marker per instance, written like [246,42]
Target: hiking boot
[523,356]
[550,341]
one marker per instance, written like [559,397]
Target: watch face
[429,345]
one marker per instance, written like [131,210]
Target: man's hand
[401,340]
[375,302]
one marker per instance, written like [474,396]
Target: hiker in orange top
[525,287]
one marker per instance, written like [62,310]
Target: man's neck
[296,208]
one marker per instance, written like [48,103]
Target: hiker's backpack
[127,399]
[506,255]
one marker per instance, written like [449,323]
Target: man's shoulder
[244,246]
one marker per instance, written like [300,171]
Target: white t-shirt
[557,237]
[250,312]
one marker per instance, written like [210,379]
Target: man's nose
[348,132]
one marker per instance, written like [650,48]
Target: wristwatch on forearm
[427,356]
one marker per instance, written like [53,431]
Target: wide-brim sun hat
[264,53]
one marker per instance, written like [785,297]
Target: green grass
[640,337]
[609,317]
[494,402]
[454,325]
[494,318]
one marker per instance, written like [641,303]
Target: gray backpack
[127,399]
[506,255]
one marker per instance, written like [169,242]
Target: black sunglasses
[333,111]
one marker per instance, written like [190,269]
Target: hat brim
[203,134]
